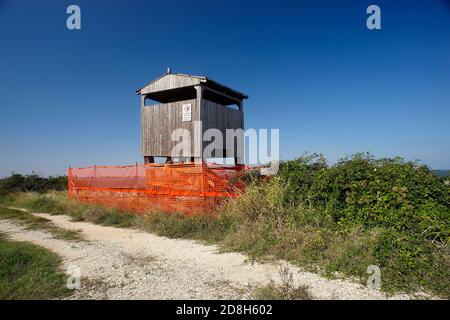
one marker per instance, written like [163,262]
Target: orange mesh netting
[184,187]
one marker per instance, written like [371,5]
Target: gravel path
[118,263]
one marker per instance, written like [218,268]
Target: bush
[371,192]
[31,183]
[358,212]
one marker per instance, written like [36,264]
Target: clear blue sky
[311,69]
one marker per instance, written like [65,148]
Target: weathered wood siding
[221,117]
[168,82]
[159,121]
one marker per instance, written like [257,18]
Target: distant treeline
[442,173]
[31,183]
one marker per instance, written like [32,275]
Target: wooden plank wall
[218,116]
[159,121]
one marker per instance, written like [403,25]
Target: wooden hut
[193,103]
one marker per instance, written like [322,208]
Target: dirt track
[120,263]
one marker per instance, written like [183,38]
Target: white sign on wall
[187,112]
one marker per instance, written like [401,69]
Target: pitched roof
[172,81]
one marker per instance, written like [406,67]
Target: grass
[199,227]
[33,222]
[28,271]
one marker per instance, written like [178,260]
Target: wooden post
[239,159]
[149,159]
[169,160]
[137,184]
[198,152]
[69,173]
[196,160]
[146,159]
[137,176]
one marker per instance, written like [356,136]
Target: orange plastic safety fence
[185,187]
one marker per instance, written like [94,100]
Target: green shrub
[358,212]
[31,183]
[371,192]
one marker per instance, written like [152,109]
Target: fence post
[68,181]
[137,176]
[137,186]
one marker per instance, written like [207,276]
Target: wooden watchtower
[193,103]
